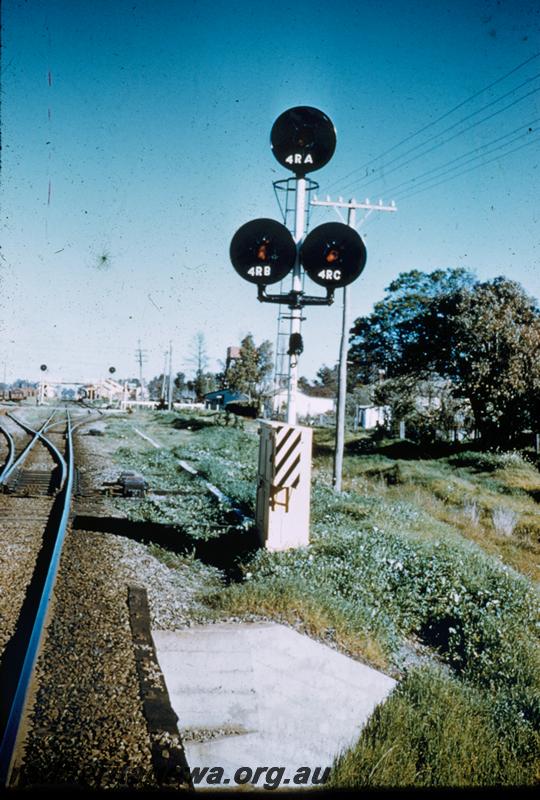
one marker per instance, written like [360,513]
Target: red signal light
[331,256]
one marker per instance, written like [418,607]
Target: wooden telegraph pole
[351,207]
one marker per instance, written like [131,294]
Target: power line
[140,357]
[436,121]
[455,135]
[421,178]
[470,169]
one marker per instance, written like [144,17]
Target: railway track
[37,482]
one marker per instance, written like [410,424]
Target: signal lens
[263,251]
[333,255]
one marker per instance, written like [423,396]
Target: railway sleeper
[30,483]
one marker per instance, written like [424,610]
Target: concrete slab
[262,695]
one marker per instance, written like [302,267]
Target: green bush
[487,462]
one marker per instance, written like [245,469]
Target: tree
[249,373]
[430,409]
[180,385]
[199,356]
[325,384]
[203,381]
[154,387]
[158,387]
[406,332]
[496,338]
[481,337]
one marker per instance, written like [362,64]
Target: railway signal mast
[264,252]
[41,401]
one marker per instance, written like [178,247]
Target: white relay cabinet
[284,485]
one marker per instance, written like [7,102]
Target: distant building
[306,405]
[368,416]
[233,354]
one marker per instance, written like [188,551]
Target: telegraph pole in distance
[170,393]
[351,207]
[164,379]
[140,356]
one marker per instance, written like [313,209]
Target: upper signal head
[263,251]
[333,255]
[303,139]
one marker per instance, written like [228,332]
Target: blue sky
[135,142]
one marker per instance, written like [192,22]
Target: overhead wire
[470,169]
[483,151]
[458,133]
[435,122]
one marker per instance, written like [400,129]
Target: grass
[435,731]
[501,488]
[420,567]
[187,507]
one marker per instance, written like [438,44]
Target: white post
[342,379]
[352,205]
[296,313]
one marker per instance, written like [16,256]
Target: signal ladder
[285,191]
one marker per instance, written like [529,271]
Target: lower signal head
[263,251]
[333,255]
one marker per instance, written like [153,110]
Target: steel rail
[11,452]
[38,434]
[59,517]
[25,451]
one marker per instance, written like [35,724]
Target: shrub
[504,521]
[470,510]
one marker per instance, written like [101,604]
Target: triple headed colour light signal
[263,251]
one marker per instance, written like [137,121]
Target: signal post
[264,252]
